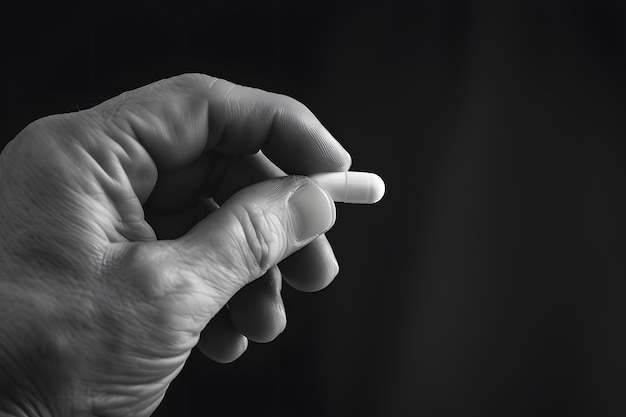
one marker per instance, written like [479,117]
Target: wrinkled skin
[113,265]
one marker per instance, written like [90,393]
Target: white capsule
[352,186]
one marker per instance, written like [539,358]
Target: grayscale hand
[128,227]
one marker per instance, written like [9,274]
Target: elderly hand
[127,227]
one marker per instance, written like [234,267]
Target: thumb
[253,231]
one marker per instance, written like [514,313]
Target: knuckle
[263,241]
[44,128]
[291,106]
[195,80]
[144,272]
[199,78]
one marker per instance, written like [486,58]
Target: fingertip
[312,268]
[221,341]
[300,143]
[343,158]
[257,310]
[236,351]
[312,211]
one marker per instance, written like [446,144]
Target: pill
[352,186]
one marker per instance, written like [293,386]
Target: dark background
[490,280]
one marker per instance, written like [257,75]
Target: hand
[127,227]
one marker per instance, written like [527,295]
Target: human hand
[113,265]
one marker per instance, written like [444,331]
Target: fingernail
[312,212]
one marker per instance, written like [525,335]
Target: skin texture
[128,227]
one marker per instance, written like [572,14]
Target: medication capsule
[352,186]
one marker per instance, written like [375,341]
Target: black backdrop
[491,278]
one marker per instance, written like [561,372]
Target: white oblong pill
[352,186]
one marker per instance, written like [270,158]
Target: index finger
[178,118]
